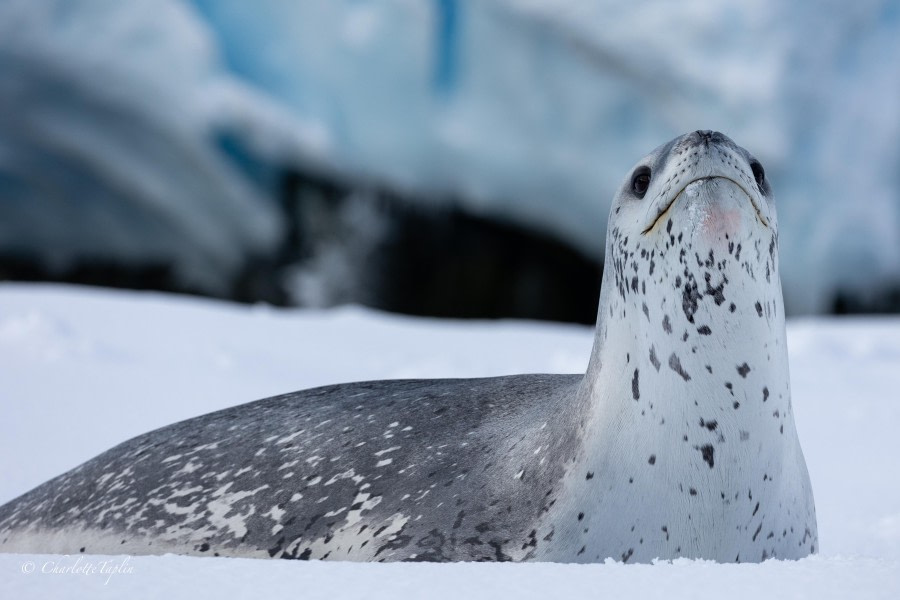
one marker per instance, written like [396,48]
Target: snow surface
[177,577]
[83,369]
[527,110]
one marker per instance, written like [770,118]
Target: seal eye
[759,174]
[640,181]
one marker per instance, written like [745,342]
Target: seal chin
[689,189]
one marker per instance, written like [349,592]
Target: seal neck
[691,337]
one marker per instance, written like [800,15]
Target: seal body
[678,441]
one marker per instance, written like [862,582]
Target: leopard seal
[678,441]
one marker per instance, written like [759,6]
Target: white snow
[83,369]
[174,578]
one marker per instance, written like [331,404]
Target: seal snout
[707,164]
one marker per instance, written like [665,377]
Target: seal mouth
[671,203]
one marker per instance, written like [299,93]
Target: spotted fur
[678,441]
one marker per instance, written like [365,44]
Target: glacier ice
[524,110]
